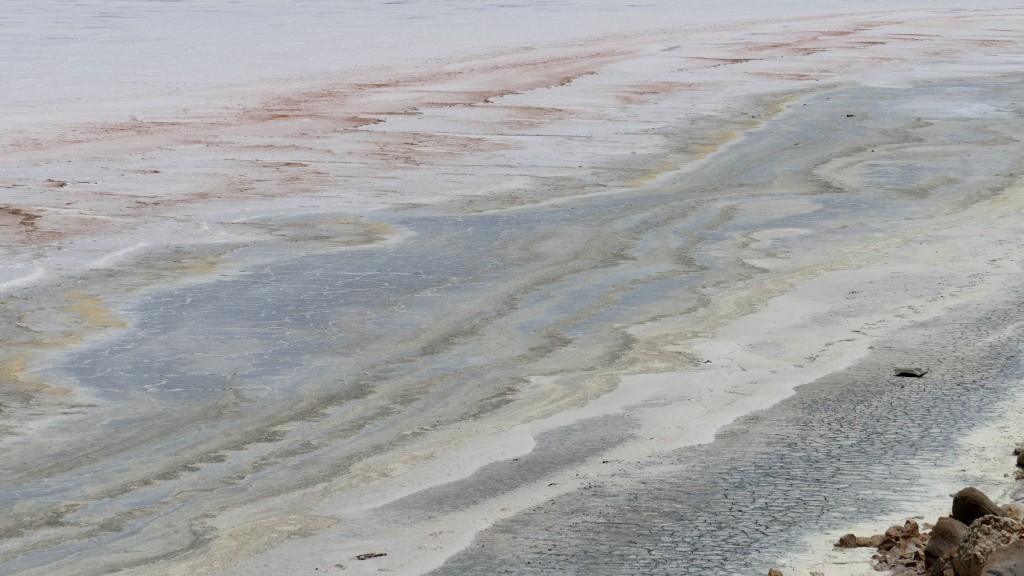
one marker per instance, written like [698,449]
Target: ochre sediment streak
[356,122]
[92,313]
[13,371]
[56,326]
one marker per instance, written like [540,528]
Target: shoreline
[931,486]
[687,275]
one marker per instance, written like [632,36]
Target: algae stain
[716,141]
[14,371]
[368,232]
[664,166]
[198,265]
[82,315]
[91,311]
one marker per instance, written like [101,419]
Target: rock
[1013,510]
[901,548]
[910,371]
[847,541]
[852,541]
[369,555]
[983,538]
[774,572]
[943,568]
[1018,450]
[872,542]
[970,504]
[911,529]
[1020,460]
[946,536]
[1007,561]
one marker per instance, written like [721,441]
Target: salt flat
[464,285]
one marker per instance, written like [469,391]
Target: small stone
[775,572]
[970,504]
[1020,460]
[369,555]
[910,371]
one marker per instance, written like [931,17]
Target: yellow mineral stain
[198,265]
[91,311]
[718,141]
[724,137]
[62,341]
[13,371]
[369,232]
[246,539]
[665,166]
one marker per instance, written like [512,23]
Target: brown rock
[910,529]
[943,567]
[847,541]
[865,542]
[946,535]
[1013,510]
[1007,561]
[774,572]
[887,543]
[1020,460]
[983,538]
[970,504]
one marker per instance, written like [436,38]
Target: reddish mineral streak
[309,122]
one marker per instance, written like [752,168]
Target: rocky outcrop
[992,545]
[1007,561]
[984,538]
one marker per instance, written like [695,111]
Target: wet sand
[482,329]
